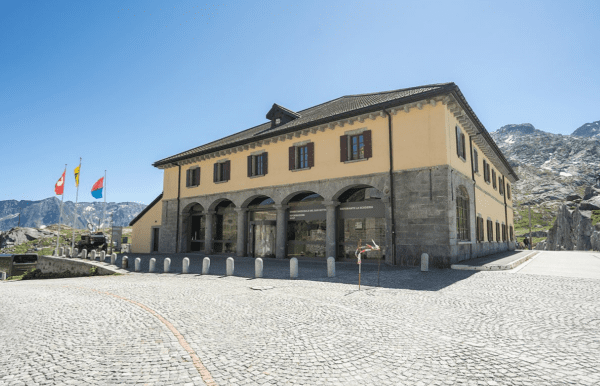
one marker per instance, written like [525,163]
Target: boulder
[17,236]
[573,197]
[592,203]
[571,231]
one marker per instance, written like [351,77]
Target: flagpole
[76,200]
[104,211]
[61,209]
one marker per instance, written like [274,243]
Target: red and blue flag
[97,188]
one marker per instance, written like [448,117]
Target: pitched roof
[340,108]
[325,112]
[146,209]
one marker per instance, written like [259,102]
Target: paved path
[435,328]
[566,264]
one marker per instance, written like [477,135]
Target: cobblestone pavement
[443,327]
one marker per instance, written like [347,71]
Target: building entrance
[197,236]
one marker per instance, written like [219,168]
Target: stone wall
[52,264]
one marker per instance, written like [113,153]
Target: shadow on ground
[373,275]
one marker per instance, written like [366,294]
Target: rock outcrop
[17,236]
[572,231]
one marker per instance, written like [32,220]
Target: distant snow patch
[565,174]
[510,139]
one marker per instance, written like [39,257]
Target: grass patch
[37,274]
[595,217]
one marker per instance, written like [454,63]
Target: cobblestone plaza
[441,327]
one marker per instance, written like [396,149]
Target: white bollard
[125,262]
[331,267]
[293,268]
[152,266]
[258,267]
[424,262]
[2,275]
[138,262]
[113,258]
[185,267]
[167,265]
[205,265]
[75,252]
[61,251]
[93,255]
[68,252]
[102,256]
[84,254]
[229,266]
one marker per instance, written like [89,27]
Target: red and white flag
[60,185]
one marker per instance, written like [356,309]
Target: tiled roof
[323,113]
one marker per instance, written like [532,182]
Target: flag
[60,185]
[97,188]
[76,171]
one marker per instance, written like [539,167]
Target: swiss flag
[60,185]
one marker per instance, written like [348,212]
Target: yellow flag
[77,175]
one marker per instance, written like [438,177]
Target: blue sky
[124,84]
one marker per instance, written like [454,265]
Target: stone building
[413,169]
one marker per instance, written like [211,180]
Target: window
[302,156]
[490,230]
[480,229]
[257,164]
[460,143]
[503,232]
[462,214]
[497,231]
[356,146]
[500,186]
[494,178]
[508,190]
[511,234]
[222,171]
[192,177]
[486,171]
[475,161]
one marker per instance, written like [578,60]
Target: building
[413,169]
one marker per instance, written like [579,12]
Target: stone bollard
[2,275]
[167,265]
[152,266]
[293,268]
[230,266]
[55,252]
[258,267]
[424,262]
[75,252]
[68,252]
[125,262]
[93,255]
[61,251]
[102,256]
[331,267]
[84,254]
[138,262]
[185,267]
[113,258]
[205,265]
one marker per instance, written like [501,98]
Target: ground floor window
[306,238]
[225,238]
[198,229]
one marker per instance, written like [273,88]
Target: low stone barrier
[331,267]
[258,267]
[205,265]
[167,265]
[230,266]
[185,265]
[152,265]
[293,268]
[56,264]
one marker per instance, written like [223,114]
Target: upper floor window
[356,146]
[460,143]
[257,164]
[302,156]
[475,161]
[500,186]
[486,171]
[508,190]
[222,171]
[192,177]
[494,178]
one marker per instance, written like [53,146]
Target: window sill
[355,160]
[299,170]
[464,242]
[462,159]
[221,182]
[192,186]
[258,175]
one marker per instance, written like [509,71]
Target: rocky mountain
[47,212]
[588,130]
[552,168]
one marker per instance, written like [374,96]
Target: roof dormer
[279,115]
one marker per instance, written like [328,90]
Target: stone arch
[252,198]
[190,226]
[213,205]
[347,192]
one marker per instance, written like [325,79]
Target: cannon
[93,241]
